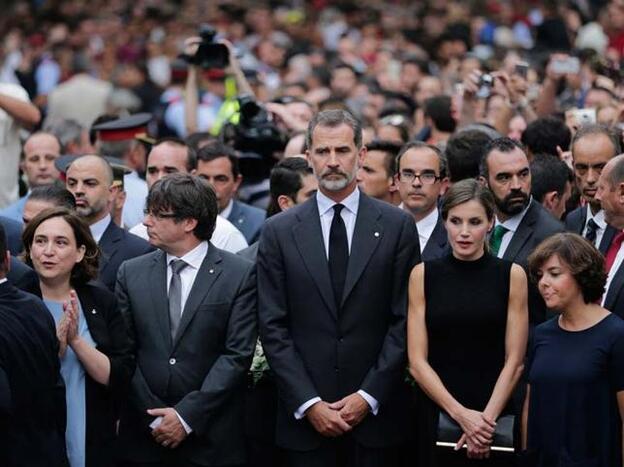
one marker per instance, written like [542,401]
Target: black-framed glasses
[159,215]
[426,178]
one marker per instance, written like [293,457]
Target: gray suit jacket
[248,219]
[200,373]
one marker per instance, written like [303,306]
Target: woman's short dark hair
[585,262]
[468,190]
[85,270]
[188,197]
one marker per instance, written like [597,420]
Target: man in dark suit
[32,397]
[521,222]
[218,164]
[191,309]
[421,178]
[592,147]
[610,194]
[23,277]
[332,288]
[13,231]
[90,179]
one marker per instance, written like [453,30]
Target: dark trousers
[344,451]
[167,464]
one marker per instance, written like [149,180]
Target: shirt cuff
[300,412]
[374,405]
[187,428]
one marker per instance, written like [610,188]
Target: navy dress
[466,319]
[573,413]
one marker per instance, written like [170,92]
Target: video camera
[210,54]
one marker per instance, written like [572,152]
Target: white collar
[598,218]
[228,209]
[351,202]
[193,258]
[98,228]
[3,280]
[428,223]
[513,222]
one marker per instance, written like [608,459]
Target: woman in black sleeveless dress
[467,332]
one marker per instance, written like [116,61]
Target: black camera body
[486,82]
[210,54]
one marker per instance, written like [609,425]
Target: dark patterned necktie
[338,253]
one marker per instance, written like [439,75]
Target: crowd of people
[311,234]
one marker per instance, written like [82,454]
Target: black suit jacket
[32,397]
[318,349]
[23,277]
[575,223]
[116,246]
[13,230]
[437,246]
[201,374]
[110,334]
[537,225]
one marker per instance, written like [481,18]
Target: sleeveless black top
[466,318]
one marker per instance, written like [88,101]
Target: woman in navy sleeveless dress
[467,332]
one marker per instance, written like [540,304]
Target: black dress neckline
[470,264]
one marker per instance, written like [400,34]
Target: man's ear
[483,181]
[444,185]
[620,193]
[550,200]
[285,202]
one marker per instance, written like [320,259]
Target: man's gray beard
[337,185]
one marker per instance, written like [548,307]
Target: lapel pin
[211,271]
[93,311]
[376,234]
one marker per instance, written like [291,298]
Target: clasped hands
[333,420]
[478,434]
[170,432]
[67,328]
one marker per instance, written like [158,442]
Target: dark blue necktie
[338,253]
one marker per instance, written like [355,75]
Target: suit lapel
[236,216]
[614,288]
[437,242]
[158,291]
[522,234]
[367,234]
[208,273]
[309,240]
[607,238]
[108,244]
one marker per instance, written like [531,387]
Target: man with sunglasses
[421,179]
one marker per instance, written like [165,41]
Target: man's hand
[327,421]
[353,408]
[170,433]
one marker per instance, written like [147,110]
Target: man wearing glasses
[421,178]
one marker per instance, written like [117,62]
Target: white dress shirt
[225,236]
[599,219]
[2,281]
[349,215]
[511,225]
[425,228]
[99,227]
[194,260]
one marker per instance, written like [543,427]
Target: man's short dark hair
[438,109]
[390,150]
[199,139]
[421,145]
[4,247]
[549,174]
[215,151]
[188,197]
[593,129]
[585,262]
[542,136]
[286,180]
[191,154]
[54,194]
[464,151]
[333,119]
[503,144]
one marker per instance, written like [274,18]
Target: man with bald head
[40,151]
[90,179]
[610,194]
